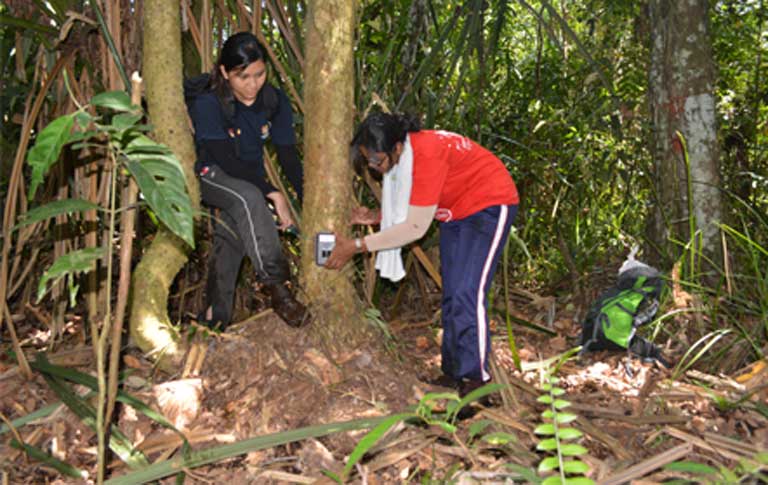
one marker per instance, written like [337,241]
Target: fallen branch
[647,466]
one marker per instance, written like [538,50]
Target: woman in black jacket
[233,119]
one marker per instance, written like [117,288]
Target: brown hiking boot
[286,306]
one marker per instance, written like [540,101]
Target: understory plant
[562,464]
[748,470]
[441,410]
[110,131]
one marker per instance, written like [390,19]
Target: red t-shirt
[458,175]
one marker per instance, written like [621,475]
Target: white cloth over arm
[395,196]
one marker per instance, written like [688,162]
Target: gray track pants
[247,228]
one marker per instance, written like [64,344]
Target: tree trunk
[329,98]
[151,328]
[681,94]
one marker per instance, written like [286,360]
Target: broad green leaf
[579,481]
[499,438]
[556,480]
[548,464]
[123,121]
[53,209]
[371,438]
[79,139]
[575,467]
[572,449]
[71,263]
[569,433]
[553,480]
[728,476]
[563,418]
[142,144]
[163,186]
[116,100]
[526,473]
[556,391]
[447,427]
[478,427]
[546,399]
[545,429]
[477,394]
[83,119]
[47,149]
[690,467]
[561,404]
[548,444]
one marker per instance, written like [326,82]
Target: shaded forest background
[561,91]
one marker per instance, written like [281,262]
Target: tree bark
[329,101]
[681,94]
[150,326]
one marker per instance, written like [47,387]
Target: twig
[612,443]
[648,465]
[731,444]
[716,381]
[23,364]
[15,179]
[700,443]
[14,431]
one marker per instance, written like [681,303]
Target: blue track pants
[469,254]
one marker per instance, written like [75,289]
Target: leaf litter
[262,377]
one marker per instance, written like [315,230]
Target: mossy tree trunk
[150,326]
[329,100]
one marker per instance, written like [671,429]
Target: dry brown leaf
[526,354]
[317,365]
[558,344]
[132,362]
[422,342]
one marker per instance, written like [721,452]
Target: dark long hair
[380,132]
[238,52]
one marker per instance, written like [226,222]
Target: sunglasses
[375,161]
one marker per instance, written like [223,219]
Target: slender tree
[150,327]
[682,103]
[329,101]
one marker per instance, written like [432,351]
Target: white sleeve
[414,227]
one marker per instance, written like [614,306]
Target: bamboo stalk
[23,364]
[194,30]
[256,29]
[274,179]
[14,181]
[206,35]
[128,224]
[282,24]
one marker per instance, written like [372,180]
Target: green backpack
[612,321]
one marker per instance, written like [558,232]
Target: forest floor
[261,377]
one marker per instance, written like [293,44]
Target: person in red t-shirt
[466,188]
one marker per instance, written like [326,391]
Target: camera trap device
[324,243]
